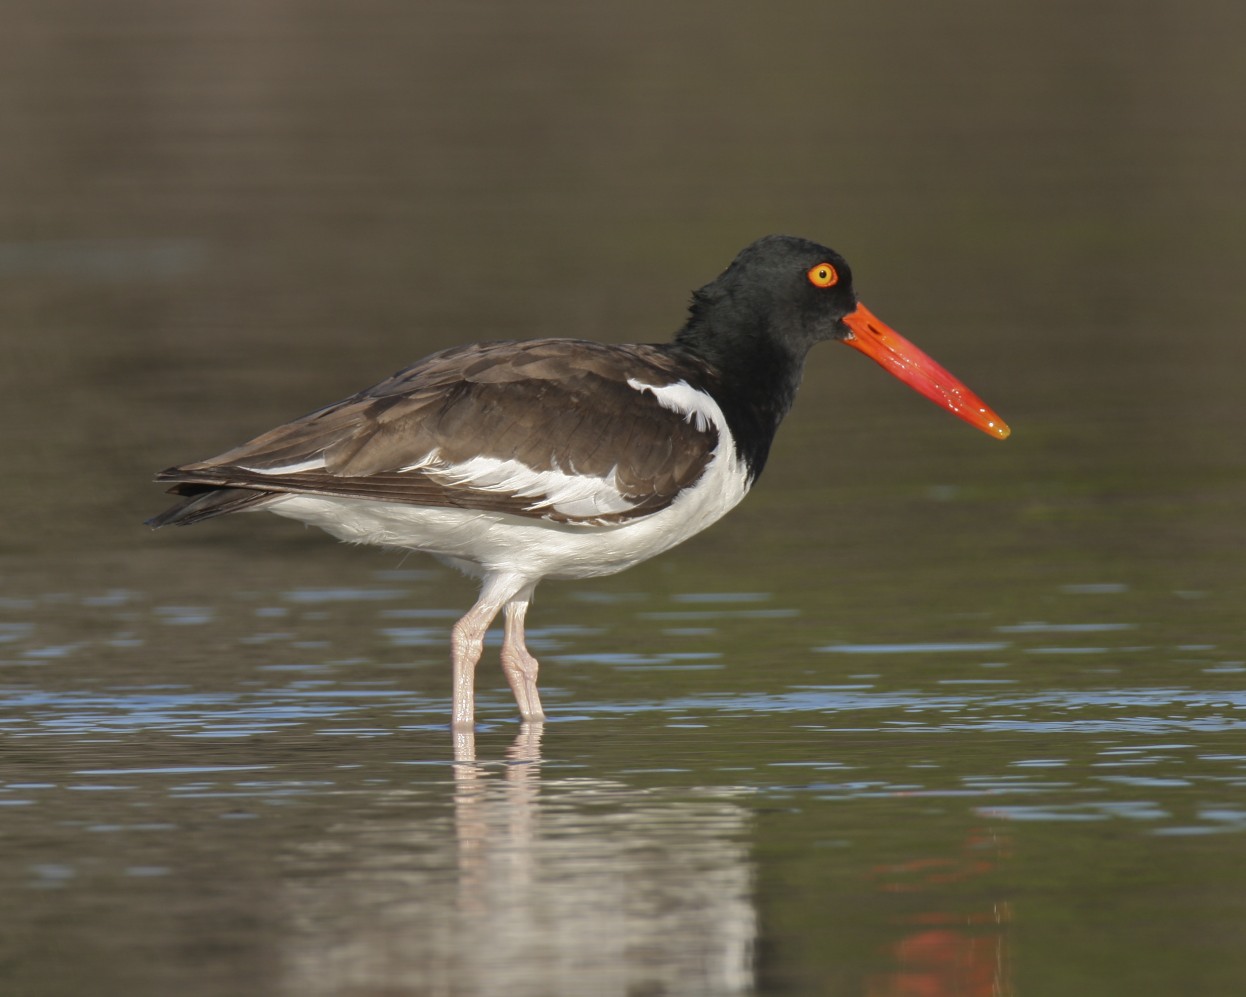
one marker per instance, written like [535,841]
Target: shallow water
[927,714]
[729,797]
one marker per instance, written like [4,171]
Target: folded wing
[562,430]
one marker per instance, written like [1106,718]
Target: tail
[202,502]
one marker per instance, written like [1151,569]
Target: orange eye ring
[823,275]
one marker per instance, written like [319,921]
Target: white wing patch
[695,406]
[581,496]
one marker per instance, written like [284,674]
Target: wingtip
[169,474]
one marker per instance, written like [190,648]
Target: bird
[515,461]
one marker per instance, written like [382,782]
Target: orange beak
[898,356]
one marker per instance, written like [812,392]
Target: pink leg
[519,665]
[467,641]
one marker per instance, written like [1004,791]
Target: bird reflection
[476,805]
[549,885]
[948,949]
[521,876]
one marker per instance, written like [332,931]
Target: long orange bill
[898,356]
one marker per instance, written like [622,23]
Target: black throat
[751,372]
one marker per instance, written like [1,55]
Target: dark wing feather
[554,404]
[206,502]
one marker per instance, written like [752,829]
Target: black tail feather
[202,502]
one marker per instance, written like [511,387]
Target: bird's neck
[753,378]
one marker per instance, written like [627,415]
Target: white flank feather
[582,495]
[310,464]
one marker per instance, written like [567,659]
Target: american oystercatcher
[562,458]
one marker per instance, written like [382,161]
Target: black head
[754,325]
[782,291]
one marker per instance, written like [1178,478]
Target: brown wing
[547,429]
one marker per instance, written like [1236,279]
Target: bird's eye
[823,275]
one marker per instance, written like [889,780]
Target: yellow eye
[823,275]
